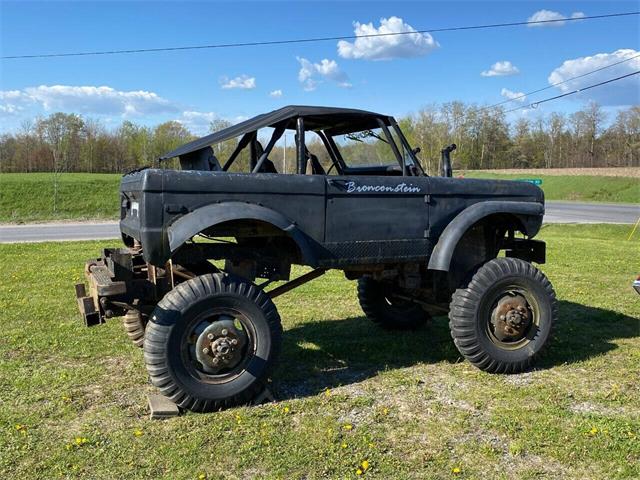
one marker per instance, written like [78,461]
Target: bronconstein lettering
[400,188]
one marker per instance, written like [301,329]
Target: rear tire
[189,347]
[503,319]
[380,306]
[134,324]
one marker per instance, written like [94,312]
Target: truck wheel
[134,323]
[211,342]
[382,307]
[504,317]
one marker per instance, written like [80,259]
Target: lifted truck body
[420,235]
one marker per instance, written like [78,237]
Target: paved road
[556,212]
[574,212]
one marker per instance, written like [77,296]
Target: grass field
[28,197]
[580,188]
[83,196]
[72,400]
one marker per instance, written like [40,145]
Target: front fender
[530,214]
[187,226]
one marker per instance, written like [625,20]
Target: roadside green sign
[535,181]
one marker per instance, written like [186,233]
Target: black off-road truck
[197,241]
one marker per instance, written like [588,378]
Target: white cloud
[547,15]
[623,92]
[388,46]
[87,99]
[243,82]
[197,122]
[501,69]
[275,93]
[311,74]
[509,95]
[12,102]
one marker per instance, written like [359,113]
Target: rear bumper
[93,303]
[120,281]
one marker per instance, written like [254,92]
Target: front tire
[381,306]
[504,318]
[211,342]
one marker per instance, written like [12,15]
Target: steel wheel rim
[489,308]
[192,333]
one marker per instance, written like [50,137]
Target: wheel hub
[511,318]
[220,345]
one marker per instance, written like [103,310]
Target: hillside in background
[31,197]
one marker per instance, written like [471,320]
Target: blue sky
[196,86]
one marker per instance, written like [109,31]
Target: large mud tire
[134,324]
[381,307]
[503,319]
[188,312]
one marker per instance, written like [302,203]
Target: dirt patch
[588,408]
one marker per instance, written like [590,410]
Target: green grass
[28,197]
[415,409]
[578,188]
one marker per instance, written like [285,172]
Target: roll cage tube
[407,147]
[300,146]
[277,133]
[334,154]
[393,146]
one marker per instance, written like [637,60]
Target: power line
[535,104]
[522,95]
[316,39]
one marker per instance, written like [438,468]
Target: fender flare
[187,226]
[443,252]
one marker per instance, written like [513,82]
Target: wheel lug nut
[210,336]
[234,342]
[224,331]
[215,361]
[205,350]
[501,317]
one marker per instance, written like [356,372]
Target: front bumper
[636,285]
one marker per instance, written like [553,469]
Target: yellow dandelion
[359,472]
[66,398]
[202,476]
[137,432]
[456,470]
[347,427]
[385,411]
[343,445]
[285,409]
[365,465]
[20,427]
[593,431]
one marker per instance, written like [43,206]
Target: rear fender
[529,215]
[187,226]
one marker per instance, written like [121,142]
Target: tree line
[64,142]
